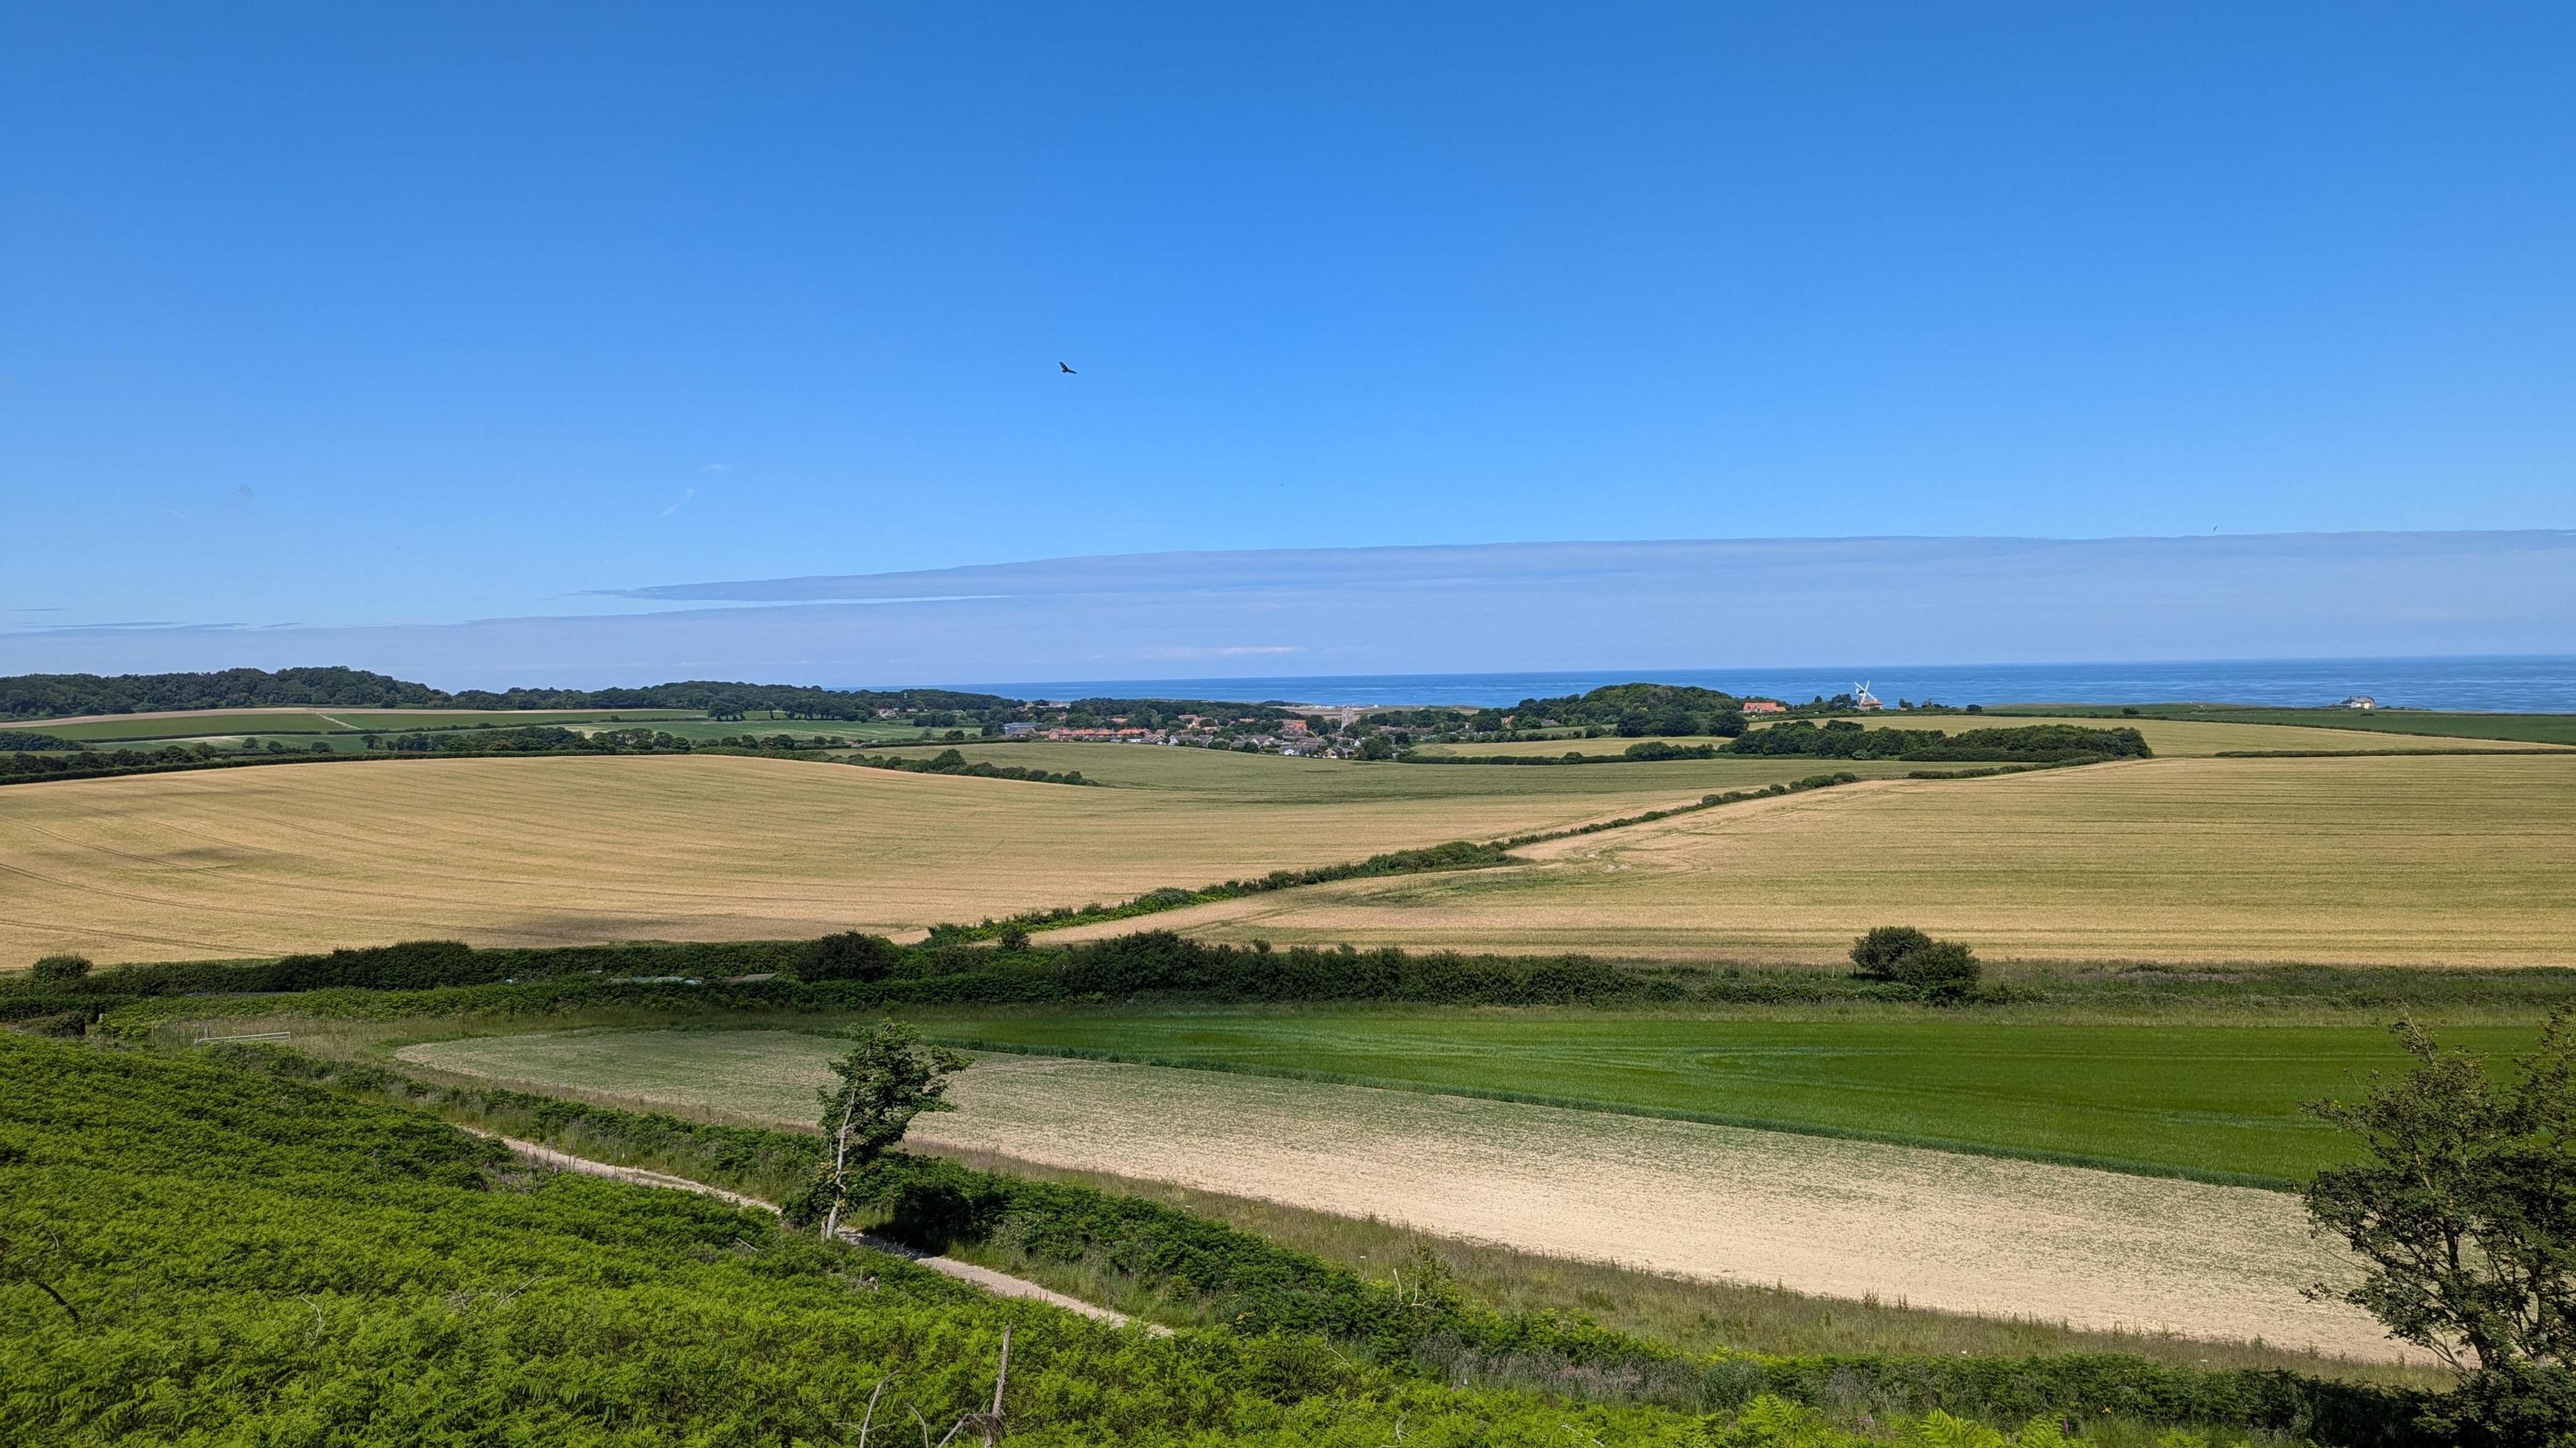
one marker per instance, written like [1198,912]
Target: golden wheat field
[555,850]
[2443,859]
[1845,1218]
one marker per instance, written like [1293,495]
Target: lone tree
[887,1079]
[2464,1207]
[1937,970]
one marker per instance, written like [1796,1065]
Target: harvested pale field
[1936,1229]
[555,850]
[2457,859]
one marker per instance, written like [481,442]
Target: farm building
[1765,706]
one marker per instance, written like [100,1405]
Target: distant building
[1865,701]
[1018,730]
[2361,701]
[1765,706]
[1294,728]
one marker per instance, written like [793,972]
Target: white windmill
[1863,699]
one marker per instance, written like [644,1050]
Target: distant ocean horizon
[2488,684]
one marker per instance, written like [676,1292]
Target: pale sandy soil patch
[1936,1229]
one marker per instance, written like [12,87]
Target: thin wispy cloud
[1719,603]
[685,495]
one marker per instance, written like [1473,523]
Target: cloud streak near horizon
[1475,608]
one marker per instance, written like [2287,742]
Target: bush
[1878,952]
[2526,1405]
[1945,970]
[58,969]
[850,955]
[1936,970]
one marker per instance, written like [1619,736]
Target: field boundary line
[2121,1165]
[1000,1284]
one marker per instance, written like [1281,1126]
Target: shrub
[850,955]
[1878,952]
[1936,970]
[1945,970]
[58,969]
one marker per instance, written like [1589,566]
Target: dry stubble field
[2440,859]
[1965,1233]
[259,861]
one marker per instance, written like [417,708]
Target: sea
[2544,684]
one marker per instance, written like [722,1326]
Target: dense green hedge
[391,982]
[1421,1325]
[2034,743]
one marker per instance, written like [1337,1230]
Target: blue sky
[339,316]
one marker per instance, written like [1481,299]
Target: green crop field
[763,727]
[2210,1100]
[2427,860]
[161,728]
[2525,728]
[1279,779]
[2194,738]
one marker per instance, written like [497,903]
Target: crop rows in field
[2440,859]
[573,850]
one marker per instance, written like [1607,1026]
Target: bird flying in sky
[1067,371]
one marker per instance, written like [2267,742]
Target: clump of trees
[1944,971]
[1636,710]
[2464,1206]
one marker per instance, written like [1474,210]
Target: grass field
[221,723]
[1845,1218]
[258,861]
[1278,779]
[2199,739]
[2525,728]
[705,729]
[158,728]
[2381,859]
[2214,1100]
[2169,738]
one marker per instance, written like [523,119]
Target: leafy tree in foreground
[2464,1207]
[887,1079]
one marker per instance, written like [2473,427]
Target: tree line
[49,696]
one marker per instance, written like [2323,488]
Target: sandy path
[1936,1229]
[1000,1284]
